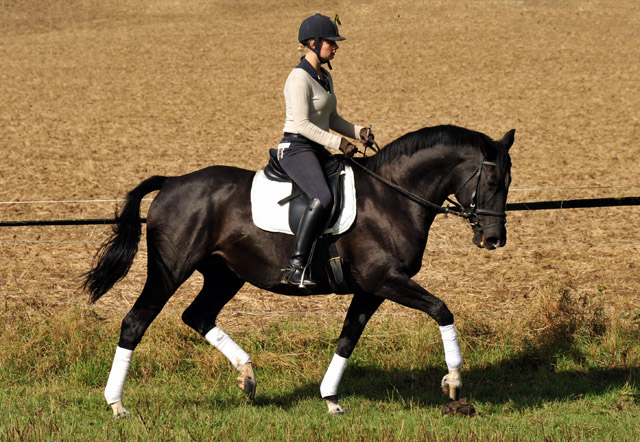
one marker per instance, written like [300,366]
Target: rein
[457,209]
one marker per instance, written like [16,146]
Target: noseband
[470,213]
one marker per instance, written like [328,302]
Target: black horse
[202,222]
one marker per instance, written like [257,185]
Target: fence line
[290,312]
[557,245]
[39,241]
[67,201]
[587,203]
[548,189]
[521,189]
[534,205]
[442,246]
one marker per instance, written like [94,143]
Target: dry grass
[97,96]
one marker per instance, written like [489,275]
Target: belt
[292,135]
[301,139]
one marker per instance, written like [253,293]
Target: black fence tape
[536,205]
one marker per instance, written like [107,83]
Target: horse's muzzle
[490,240]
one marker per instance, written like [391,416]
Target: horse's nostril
[491,242]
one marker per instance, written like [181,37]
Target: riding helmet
[318,26]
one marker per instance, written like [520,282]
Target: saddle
[298,201]
[334,170]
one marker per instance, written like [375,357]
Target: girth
[298,201]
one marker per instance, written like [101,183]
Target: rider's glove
[347,148]
[366,136]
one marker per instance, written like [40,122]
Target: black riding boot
[312,224]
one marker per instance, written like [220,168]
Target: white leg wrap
[329,385]
[227,347]
[452,354]
[119,371]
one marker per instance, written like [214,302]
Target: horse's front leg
[403,290]
[360,311]
[451,382]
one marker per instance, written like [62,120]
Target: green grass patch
[564,373]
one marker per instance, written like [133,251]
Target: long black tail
[115,256]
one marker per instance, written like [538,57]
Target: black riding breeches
[300,161]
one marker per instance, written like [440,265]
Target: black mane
[427,137]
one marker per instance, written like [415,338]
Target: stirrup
[297,276]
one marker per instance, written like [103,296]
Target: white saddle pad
[270,216]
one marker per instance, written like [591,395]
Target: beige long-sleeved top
[311,110]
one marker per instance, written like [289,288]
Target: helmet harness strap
[318,43]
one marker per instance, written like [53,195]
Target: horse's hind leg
[220,285]
[157,290]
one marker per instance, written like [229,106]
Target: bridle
[470,213]
[473,211]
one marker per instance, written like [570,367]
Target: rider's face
[328,49]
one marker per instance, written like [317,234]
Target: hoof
[452,392]
[451,384]
[247,380]
[119,412]
[334,406]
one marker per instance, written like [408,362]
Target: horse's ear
[507,140]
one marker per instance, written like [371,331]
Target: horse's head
[484,193]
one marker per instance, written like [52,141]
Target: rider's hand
[366,136]
[347,148]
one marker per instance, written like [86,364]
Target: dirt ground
[96,96]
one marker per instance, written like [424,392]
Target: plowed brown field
[97,95]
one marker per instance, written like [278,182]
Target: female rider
[310,113]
